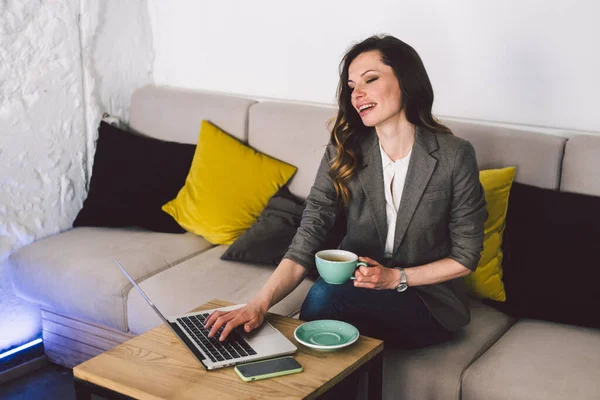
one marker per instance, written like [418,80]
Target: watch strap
[403,285]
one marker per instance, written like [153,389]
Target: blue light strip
[23,347]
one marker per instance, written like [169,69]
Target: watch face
[402,287]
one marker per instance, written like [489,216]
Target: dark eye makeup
[370,80]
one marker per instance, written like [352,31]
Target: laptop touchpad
[264,330]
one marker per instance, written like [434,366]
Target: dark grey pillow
[267,241]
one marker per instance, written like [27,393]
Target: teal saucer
[326,334]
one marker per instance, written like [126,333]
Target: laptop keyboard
[233,347]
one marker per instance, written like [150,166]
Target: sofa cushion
[486,281]
[499,147]
[73,273]
[200,279]
[294,133]
[228,186]
[551,243]
[175,114]
[269,238]
[581,165]
[267,241]
[537,360]
[434,372]
[132,177]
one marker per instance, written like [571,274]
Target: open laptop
[240,347]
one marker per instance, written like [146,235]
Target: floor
[48,383]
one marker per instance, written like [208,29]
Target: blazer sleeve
[468,210]
[318,217]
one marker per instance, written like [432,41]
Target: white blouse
[394,175]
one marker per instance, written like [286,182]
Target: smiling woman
[383,83]
[374,87]
[414,205]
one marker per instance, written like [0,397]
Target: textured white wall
[42,138]
[118,56]
[524,62]
[62,64]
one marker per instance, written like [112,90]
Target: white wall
[62,63]
[117,57]
[530,62]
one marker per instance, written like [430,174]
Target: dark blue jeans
[400,319]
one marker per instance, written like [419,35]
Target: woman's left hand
[375,276]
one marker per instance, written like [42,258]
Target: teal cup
[337,266]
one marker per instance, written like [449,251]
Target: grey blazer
[441,214]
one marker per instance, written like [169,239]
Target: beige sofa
[88,305]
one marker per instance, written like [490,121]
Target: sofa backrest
[581,165]
[537,156]
[175,114]
[294,133]
[298,133]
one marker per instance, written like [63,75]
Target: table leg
[376,377]
[82,391]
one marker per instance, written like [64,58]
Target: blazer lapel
[371,179]
[419,172]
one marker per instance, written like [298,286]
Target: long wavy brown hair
[348,129]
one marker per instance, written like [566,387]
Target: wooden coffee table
[155,365]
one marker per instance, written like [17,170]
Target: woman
[413,201]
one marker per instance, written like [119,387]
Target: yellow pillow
[228,186]
[486,281]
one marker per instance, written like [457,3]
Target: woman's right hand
[286,277]
[251,316]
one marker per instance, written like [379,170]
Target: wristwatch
[403,285]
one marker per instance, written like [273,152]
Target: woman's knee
[320,303]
